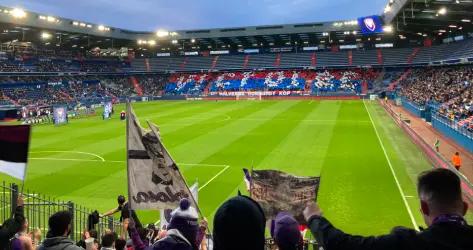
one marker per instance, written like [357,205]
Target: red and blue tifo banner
[370,25]
[14,144]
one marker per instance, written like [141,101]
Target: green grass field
[368,166]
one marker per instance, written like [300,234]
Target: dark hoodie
[239,224]
[59,243]
[441,236]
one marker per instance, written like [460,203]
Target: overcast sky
[150,15]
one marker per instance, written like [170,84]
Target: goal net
[255,97]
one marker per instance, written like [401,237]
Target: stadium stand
[449,89]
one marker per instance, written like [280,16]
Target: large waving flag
[14,144]
[154,179]
[277,191]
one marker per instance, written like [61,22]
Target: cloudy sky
[150,15]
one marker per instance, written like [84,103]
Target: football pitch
[368,166]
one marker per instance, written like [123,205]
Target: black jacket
[443,236]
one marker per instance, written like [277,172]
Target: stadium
[361,106]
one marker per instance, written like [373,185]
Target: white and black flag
[154,179]
[14,144]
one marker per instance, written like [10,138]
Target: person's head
[184,219]
[120,244]
[285,232]
[108,240]
[239,223]
[93,233]
[440,193]
[21,223]
[457,153]
[59,224]
[121,200]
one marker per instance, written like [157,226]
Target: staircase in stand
[184,63]
[66,95]
[277,62]
[247,60]
[413,55]
[393,85]
[379,54]
[313,60]
[136,85]
[350,57]
[214,62]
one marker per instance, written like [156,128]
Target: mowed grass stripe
[303,151]
[268,135]
[357,188]
[97,129]
[201,147]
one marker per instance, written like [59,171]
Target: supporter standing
[10,226]
[285,232]
[183,229]
[60,225]
[125,212]
[437,145]
[457,161]
[239,223]
[443,210]
[21,240]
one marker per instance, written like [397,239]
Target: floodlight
[45,35]
[388,29]
[18,13]
[162,33]
[442,11]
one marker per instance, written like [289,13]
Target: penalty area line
[114,161]
[403,196]
[215,177]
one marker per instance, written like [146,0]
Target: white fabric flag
[154,179]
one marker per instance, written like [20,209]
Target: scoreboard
[370,25]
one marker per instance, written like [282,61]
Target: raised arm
[331,238]
[111,212]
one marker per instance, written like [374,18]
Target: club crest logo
[370,24]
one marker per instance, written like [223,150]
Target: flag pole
[251,178]
[127,120]
[26,164]
[152,127]
[178,171]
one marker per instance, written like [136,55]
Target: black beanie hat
[239,224]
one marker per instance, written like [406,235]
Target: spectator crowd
[448,88]
[240,223]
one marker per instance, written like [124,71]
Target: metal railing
[38,208]
[453,125]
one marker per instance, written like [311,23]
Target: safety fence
[437,160]
[38,208]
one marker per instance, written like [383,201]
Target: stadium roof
[412,20]
[430,17]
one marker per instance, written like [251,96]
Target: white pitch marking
[86,160]
[403,196]
[76,152]
[215,177]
